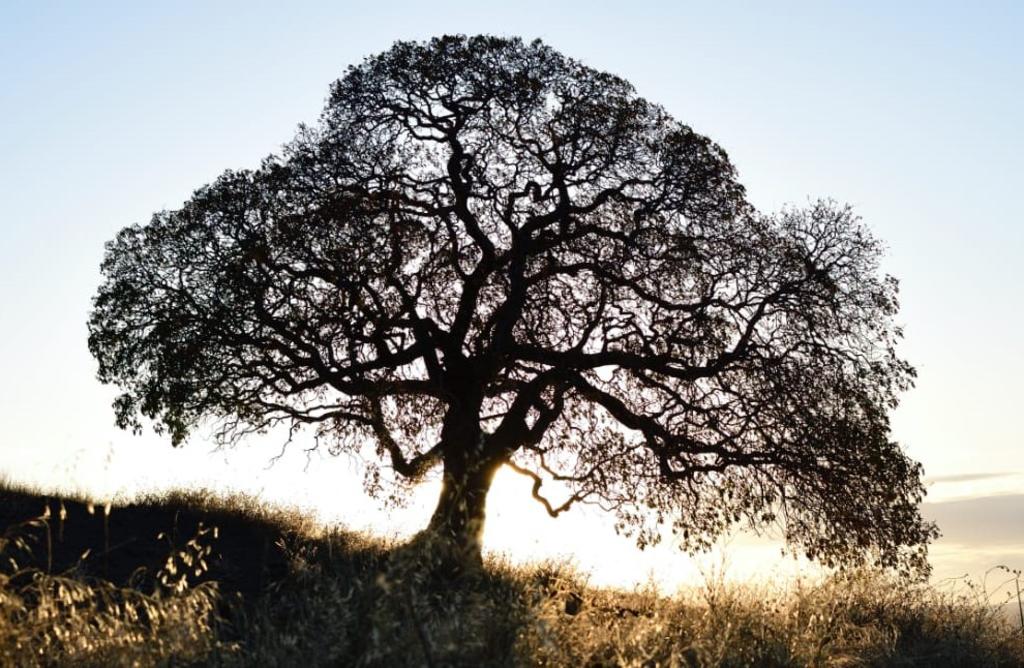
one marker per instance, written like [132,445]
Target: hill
[194,579]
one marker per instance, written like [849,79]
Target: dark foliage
[486,253]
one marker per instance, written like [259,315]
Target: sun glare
[585,537]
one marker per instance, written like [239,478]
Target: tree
[486,254]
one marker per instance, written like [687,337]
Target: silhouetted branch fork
[553,511]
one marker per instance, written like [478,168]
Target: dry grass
[853,619]
[343,599]
[71,619]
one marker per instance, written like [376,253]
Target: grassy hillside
[190,579]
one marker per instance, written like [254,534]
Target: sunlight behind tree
[487,254]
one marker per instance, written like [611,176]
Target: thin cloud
[968,477]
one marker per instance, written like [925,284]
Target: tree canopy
[486,253]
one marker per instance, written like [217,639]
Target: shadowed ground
[125,543]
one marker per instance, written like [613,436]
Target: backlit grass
[232,583]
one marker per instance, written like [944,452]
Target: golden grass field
[192,579]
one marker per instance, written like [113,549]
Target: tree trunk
[456,528]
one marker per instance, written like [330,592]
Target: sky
[111,111]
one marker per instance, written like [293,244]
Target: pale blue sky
[912,114]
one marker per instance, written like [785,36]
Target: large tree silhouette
[488,254]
